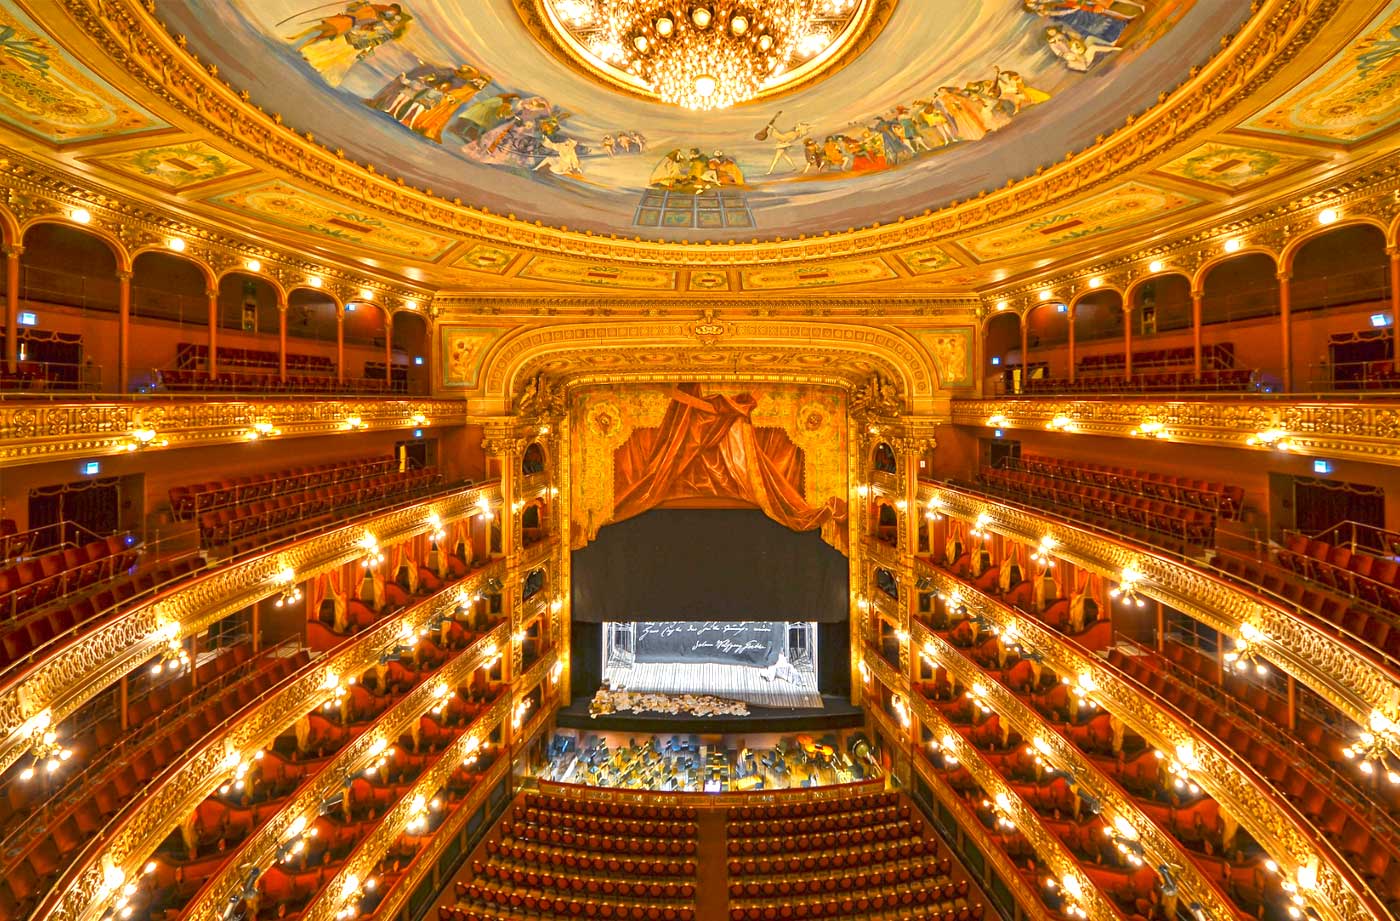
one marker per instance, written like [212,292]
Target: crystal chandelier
[705,54]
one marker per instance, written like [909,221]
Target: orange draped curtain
[707,451]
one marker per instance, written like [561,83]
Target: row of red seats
[1189,525]
[632,827]
[1221,498]
[566,883]
[188,501]
[561,908]
[1374,579]
[798,810]
[868,907]
[610,810]
[1215,356]
[874,856]
[573,861]
[505,897]
[924,872]
[269,521]
[200,382]
[30,871]
[193,355]
[33,582]
[852,838]
[767,828]
[597,843]
[1236,380]
[25,636]
[1374,633]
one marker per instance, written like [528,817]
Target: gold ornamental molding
[1339,894]
[1026,898]
[1051,850]
[424,862]
[62,682]
[35,431]
[691,309]
[144,825]
[1362,430]
[131,36]
[1348,680]
[1159,846]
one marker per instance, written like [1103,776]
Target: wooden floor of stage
[733,682]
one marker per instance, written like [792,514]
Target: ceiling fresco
[952,98]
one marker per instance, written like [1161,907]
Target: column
[340,344]
[1127,343]
[1394,254]
[1025,352]
[1070,315]
[1285,311]
[282,337]
[213,295]
[123,329]
[388,350]
[1197,300]
[11,357]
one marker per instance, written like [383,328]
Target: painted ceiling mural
[953,97]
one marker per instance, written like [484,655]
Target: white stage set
[766,664]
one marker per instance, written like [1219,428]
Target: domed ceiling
[947,99]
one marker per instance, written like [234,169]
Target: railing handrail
[212,396]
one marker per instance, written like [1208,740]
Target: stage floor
[733,682]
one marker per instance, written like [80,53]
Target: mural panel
[817,276]
[950,97]
[952,353]
[1351,98]
[583,273]
[463,351]
[47,93]
[174,166]
[1231,166]
[780,447]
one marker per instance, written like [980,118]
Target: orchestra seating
[50,596]
[249,525]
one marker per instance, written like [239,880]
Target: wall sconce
[1043,554]
[556,670]
[952,602]
[1247,651]
[1374,747]
[353,424]
[901,504]
[998,421]
[1155,266]
[142,438]
[419,420]
[863,491]
[902,635]
[1039,749]
[473,753]
[253,265]
[493,655]
[1304,880]
[1152,429]
[901,710]
[261,430]
[173,656]
[436,531]
[1127,587]
[175,244]
[1328,216]
[1125,839]
[373,555]
[350,893]
[1179,769]
[379,754]
[483,506]
[441,693]
[1001,809]
[1072,894]
[297,835]
[519,715]
[947,747]
[44,747]
[1061,423]
[978,695]
[81,216]
[935,509]
[1082,687]
[240,767]
[418,812]
[864,671]
[979,526]
[291,591]
[1271,438]
[929,655]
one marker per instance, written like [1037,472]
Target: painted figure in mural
[563,157]
[695,171]
[1079,52]
[669,172]
[519,141]
[333,44]
[483,115]
[783,142]
[427,98]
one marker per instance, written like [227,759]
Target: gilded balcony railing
[34,431]
[1338,895]
[62,682]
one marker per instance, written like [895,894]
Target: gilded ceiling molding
[75,673]
[37,432]
[1368,195]
[1353,684]
[147,823]
[131,36]
[456,305]
[1363,431]
[1270,818]
[1051,850]
[1160,847]
[33,193]
[1027,899]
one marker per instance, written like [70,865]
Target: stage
[834,713]
[754,686]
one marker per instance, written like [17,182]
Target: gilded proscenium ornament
[1346,679]
[369,850]
[1359,431]
[1028,901]
[1270,819]
[35,432]
[78,671]
[130,33]
[146,823]
[1050,849]
[1159,846]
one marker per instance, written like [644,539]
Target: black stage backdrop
[709,564]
